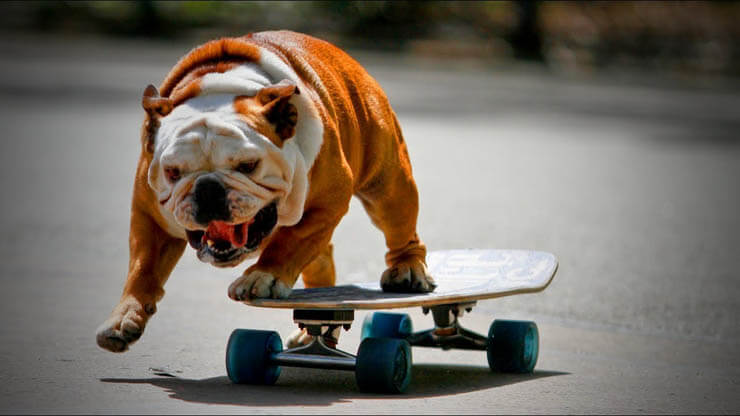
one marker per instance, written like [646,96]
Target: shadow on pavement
[309,387]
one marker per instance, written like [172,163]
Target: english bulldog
[253,147]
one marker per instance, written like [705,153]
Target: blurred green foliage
[688,37]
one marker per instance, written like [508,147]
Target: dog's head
[224,167]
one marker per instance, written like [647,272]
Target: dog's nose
[209,200]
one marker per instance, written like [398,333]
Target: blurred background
[604,132]
[680,39]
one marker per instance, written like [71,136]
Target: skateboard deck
[461,276]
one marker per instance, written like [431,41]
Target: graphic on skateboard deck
[383,361]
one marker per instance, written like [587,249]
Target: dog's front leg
[288,252]
[153,255]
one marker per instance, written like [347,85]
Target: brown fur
[363,154]
[270,113]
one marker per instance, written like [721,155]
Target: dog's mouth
[222,243]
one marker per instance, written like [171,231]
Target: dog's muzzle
[224,241]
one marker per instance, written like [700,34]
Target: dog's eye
[247,167]
[172,174]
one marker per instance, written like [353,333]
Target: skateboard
[383,361]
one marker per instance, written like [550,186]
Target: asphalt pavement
[630,179]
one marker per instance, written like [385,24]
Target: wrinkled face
[224,178]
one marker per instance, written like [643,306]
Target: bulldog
[252,148]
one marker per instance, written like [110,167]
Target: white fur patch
[172,227]
[245,79]
[310,128]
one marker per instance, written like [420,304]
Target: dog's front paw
[258,284]
[407,276]
[125,325]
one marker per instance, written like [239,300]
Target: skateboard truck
[448,333]
[321,352]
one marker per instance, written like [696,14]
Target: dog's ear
[154,104]
[156,107]
[277,108]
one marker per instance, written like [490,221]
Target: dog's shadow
[311,387]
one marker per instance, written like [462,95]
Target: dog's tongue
[235,234]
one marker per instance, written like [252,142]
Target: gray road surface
[633,185]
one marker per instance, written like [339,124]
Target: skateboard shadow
[311,387]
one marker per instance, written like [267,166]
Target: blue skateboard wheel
[513,346]
[383,365]
[248,356]
[387,325]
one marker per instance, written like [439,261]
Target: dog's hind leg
[320,272]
